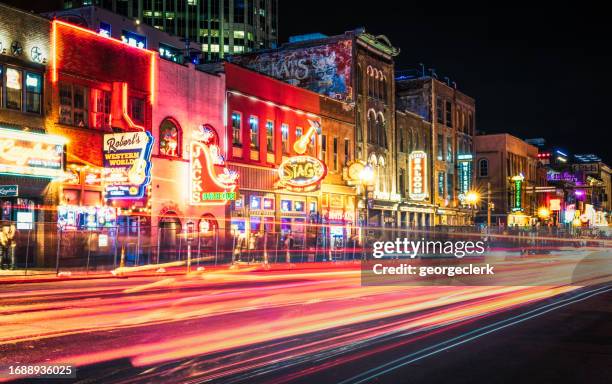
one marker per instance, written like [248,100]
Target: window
[335,161]
[440,147]
[14,86]
[483,168]
[137,110]
[449,114]
[286,205]
[33,92]
[439,110]
[254,128]
[236,129]
[285,138]
[402,182]
[324,148]
[449,187]
[441,184]
[73,105]
[347,145]
[449,149]
[101,112]
[270,136]
[169,139]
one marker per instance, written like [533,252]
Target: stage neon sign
[208,186]
[31,154]
[301,171]
[417,175]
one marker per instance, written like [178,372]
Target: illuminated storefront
[290,158]
[28,163]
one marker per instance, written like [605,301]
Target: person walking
[289,242]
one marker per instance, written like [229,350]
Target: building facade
[289,147]
[452,117]
[508,168]
[414,165]
[220,27]
[356,69]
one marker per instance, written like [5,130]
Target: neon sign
[417,175]
[31,154]
[206,185]
[301,171]
[127,164]
[518,196]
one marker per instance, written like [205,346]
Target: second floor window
[169,139]
[324,148]
[102,106]
[347,148]
[335,163]
[439,110]
[483,168]
[449,114]
[254,129]
[236,129]
[73,105]
[440,147]
[270,136]
[137,110]
[285,138]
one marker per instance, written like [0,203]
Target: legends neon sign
[31,154]
[210,183]
[417,175]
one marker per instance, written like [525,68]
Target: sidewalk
[168,269]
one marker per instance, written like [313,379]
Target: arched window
[483,168]
[371,126]
[169,138]
[381,130]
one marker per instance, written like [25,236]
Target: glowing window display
[83,217]
[31,154]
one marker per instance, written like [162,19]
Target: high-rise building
[220,26]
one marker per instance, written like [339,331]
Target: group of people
[255,245]
[7,246]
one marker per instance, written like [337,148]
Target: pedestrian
[7,245]
[289,242]
[253,246]
[240,246]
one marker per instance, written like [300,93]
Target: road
[312,323]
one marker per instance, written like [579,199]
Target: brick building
[452,115]
[507,166]
[357,69]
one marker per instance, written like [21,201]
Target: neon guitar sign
[303,172]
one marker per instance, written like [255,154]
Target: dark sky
[535,69]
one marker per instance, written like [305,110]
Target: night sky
[536,69]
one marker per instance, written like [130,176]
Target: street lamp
[366,176]
[472,198]
[543,213]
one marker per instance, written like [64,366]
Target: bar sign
[9,191]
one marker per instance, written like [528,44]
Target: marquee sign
[417,175]
[302,171]
[127,164]
[210,183]
[31,154]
